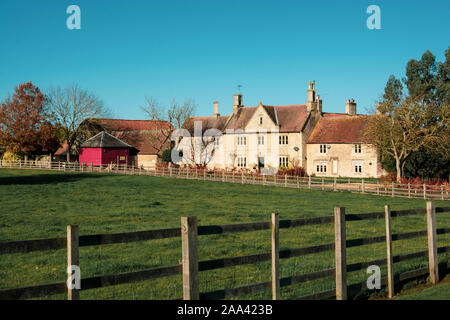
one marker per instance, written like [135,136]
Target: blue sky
[127,50]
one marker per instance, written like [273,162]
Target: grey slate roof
[104,140]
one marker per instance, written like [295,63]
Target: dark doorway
[260,162]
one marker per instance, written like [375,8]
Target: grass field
[40,204]
[427,292]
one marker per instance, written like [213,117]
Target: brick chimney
[237,102]
[350,107]
[216,109]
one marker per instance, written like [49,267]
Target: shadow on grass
[47,178]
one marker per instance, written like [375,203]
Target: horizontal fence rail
[193,231]
[357,185]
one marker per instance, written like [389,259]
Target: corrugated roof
[104,140]
[340,128]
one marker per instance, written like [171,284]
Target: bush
[167,156]
[295,172]
[416,183]
[8,155]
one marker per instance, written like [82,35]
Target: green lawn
[437,292]
[40,204]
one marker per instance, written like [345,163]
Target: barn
[104,149]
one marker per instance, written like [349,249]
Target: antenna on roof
[239,87]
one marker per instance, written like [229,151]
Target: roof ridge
[131,120]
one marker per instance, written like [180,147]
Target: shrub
[8,155]
[167,156]
[295,171]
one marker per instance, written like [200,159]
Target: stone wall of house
[341,160]
[147,161]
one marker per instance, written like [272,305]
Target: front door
[335,166]
[260,162]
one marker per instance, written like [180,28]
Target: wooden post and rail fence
[356,185]
[191,266]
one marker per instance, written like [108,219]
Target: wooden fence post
[323,183]
[362,186]
[334,184]
[409,190]
[72,259]
[389,256]
[298,185]
[340,253]
[432,248]
[275,256]
[285,180]
[424,191]
[309,182]
[190,258]
[242,177]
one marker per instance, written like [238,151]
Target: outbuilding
[105,149]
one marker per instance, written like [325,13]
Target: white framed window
[321,167]
[357,166]
[284,161]
[323,148]
[260,120]
[241,140]
[357,148]
[260,139]
[242,161]
[216,141]
[283,139]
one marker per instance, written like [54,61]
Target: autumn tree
[25,122]
[169,119]
[71,106]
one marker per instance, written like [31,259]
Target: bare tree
[199,146]
[71,106]
[411,124]
[176,114]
